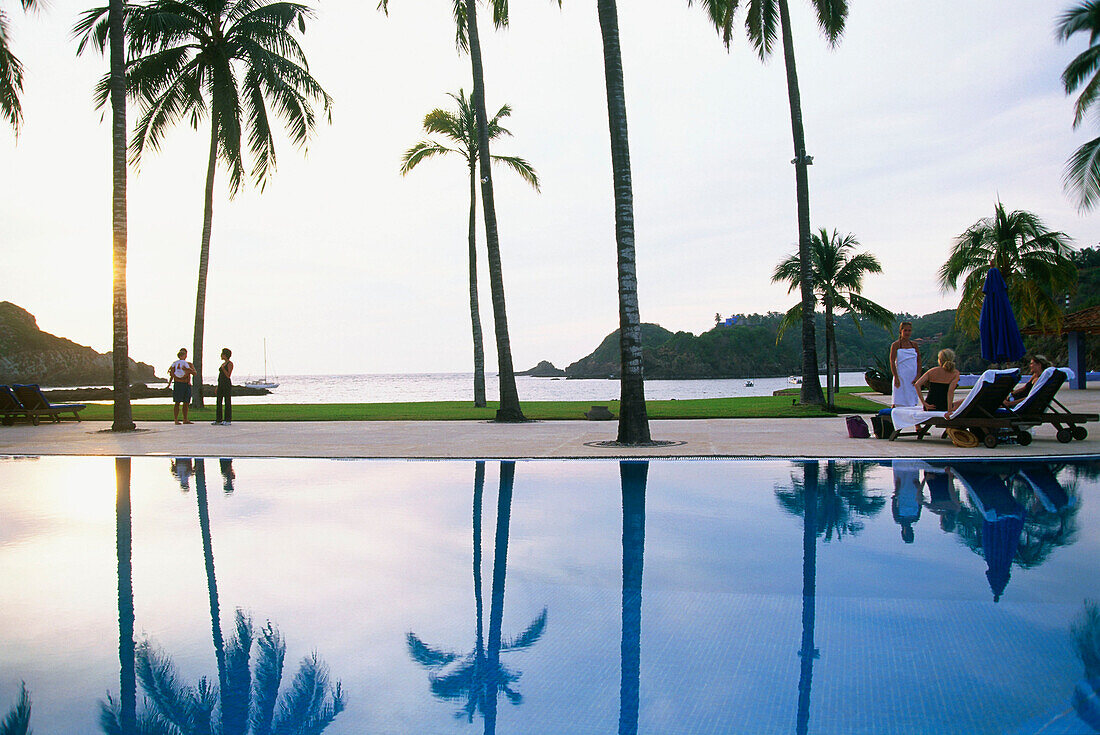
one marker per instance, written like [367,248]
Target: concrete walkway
[542,439]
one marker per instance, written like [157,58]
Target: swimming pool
[667,596]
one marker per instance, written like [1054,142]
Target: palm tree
[466,38]
[633,418]
[1082,176]
[1033,260]
[11,74]
[840,506]
[837,280]
[112,30]
[236,61]
[461,128]
[126,707]
[760,23]
[310,704]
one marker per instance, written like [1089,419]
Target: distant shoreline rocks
[545,369]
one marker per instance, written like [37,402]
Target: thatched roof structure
[1086,321]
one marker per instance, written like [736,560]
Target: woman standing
[225,390]
[905,364]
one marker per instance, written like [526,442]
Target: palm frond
[11,81]
[720,13]
[420,152]
[790,270]
[831,17]
[91,27]
[525,170]
[1082,175]
[529,636]
[790,319]
[269,674]
[762,25]
[18,719]
[429,658]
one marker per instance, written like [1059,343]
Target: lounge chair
[37,406]
[977,413]
[1040,406]
[10,407]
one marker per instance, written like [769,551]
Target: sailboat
[265,383]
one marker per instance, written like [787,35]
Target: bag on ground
[857,427]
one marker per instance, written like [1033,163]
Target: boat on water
[265,383]
[748,383]
[796,379]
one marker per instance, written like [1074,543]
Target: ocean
[395,388]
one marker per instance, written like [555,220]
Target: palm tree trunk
[632,476]
[204,264]
[810,393]
[836,368]
[509,409]
[475,315]
[808,652]
[120,349]
[125,551]
[211,579]
[496,603]
[830,339]
[633,419]
[479,491]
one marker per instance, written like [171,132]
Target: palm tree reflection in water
[632,476]
[476,678]
[244,701]
[842,506]
[808,652]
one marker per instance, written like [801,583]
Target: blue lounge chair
[10,407]
[37,406]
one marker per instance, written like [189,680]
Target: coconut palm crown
[1033,260]
[1082,175]
[460,127]
[11,74]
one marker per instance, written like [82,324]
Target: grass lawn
[703,408]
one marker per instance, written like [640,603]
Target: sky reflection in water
[550,597]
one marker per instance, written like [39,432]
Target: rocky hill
[29,355]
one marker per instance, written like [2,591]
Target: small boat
[796,379]
[748,383]
[265,383]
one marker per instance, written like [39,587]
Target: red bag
[857,427]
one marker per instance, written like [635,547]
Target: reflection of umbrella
[1002,522]
[1001,340]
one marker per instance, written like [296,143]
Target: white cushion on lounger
[1039,383]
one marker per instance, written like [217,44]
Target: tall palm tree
[111,30]
[837,280]
[1082,176]
[808,650]
[126,708]
[1033,260]
[467,40]
[461,128]
[633,418]
[236,61]
[11,74]
[762,17]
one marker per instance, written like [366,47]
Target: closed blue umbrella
[1000,335]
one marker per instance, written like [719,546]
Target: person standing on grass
[180,372]
[225,390]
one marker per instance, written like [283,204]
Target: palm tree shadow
[477,678]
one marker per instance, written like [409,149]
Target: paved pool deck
[825,437]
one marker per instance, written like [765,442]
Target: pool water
[715,596]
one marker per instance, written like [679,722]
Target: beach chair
[10,407]
[981,412]
[37,406]
[1040,406]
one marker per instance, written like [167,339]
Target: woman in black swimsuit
[941,381]
[1036,367]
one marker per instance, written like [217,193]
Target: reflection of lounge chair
[977,413]
[1044,484]
[10,407]
[1037,408]
[37,406]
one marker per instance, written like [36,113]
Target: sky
[921,118]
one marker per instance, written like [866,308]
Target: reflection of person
[225,390]
[908,498]
[904,364]
[1036,367]
[180,372]
[943,498]
[941,381]
[182,468]
[228,474]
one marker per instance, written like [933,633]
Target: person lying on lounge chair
[1037,365]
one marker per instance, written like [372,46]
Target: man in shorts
[180,372]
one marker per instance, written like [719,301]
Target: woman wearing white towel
[905,365]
